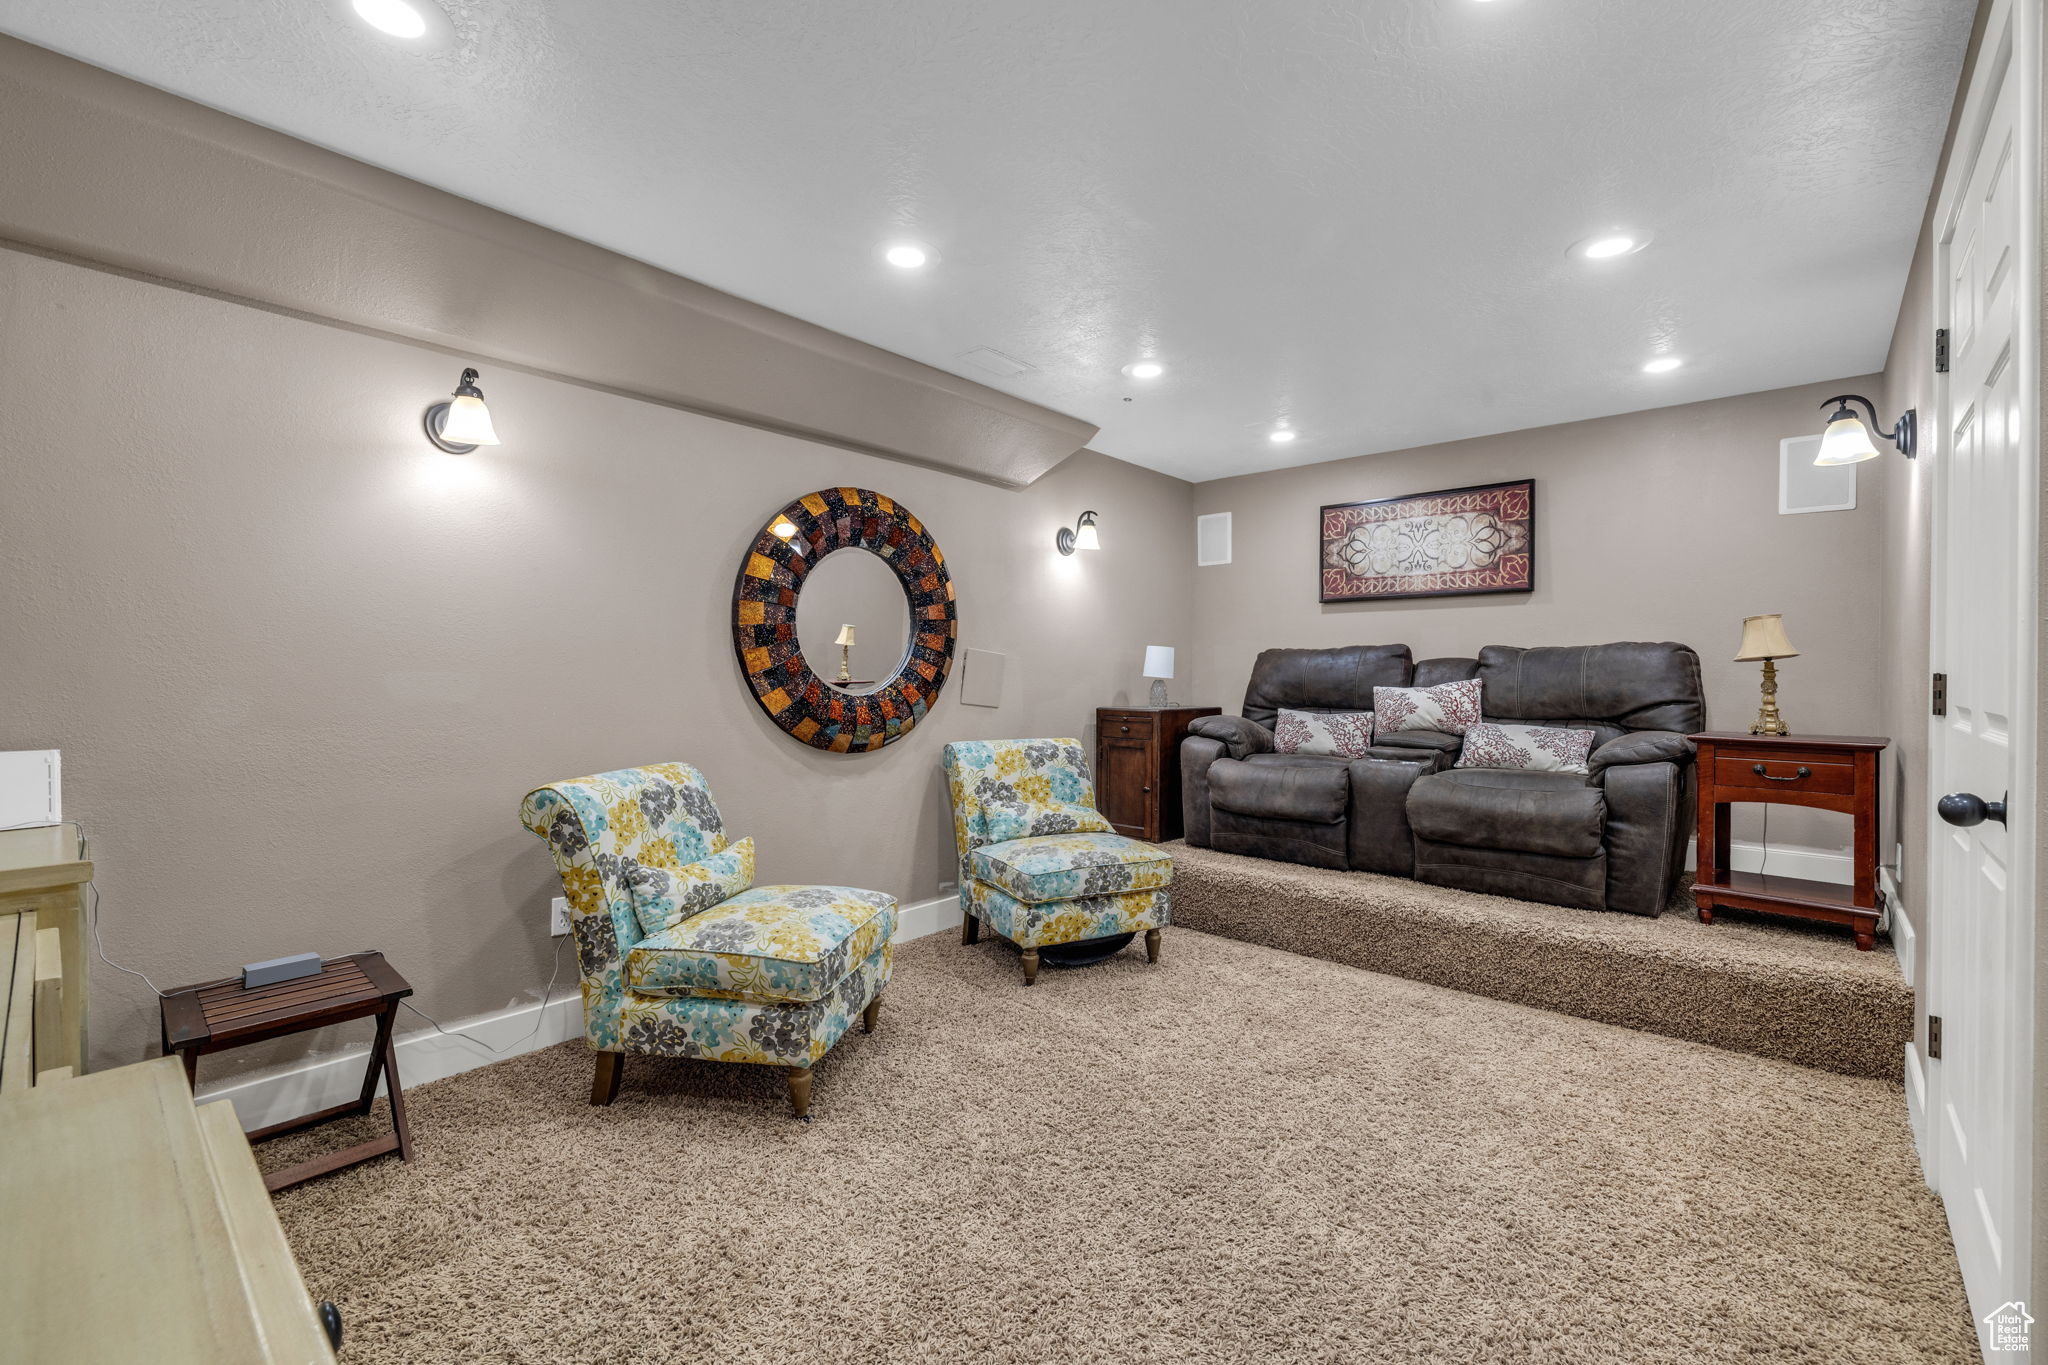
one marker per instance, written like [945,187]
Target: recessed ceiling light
[907,256]
[1280,436]
[1605,246]
[1144,369]
[394,17]
[1663,364]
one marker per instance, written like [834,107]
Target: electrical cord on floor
[1765,861]
[546,995]
[92,910]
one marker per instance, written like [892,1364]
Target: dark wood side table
[1827,772]
[1137,767]
[216,1015]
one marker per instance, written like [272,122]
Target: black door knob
[1968,808]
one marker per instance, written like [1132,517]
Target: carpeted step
[1775,989]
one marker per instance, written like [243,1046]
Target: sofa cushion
[1449,708]
[1532,748]
[1282,787]
[1322,679]
[1064,867]
[1609,689]
[1330,734]
[770,944]
[664,897]
[1561,814]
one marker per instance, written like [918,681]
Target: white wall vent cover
[1804,486]
[31,789]
[1212,539]
[996,363]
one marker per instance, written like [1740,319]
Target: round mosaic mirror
[795,672]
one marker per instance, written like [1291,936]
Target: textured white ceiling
[1351,215]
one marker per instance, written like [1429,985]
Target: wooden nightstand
[1828,772]
[1137,767]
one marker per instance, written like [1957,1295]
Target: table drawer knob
[1803,772]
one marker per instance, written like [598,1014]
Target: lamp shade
[1085,538]
[468,422]
[1158,661]
[1845,440]
[1763,637]
[845,636]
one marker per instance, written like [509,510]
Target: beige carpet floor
[1238,1155]
[1773,986]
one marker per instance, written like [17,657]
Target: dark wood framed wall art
[1480,539]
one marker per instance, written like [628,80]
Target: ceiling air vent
[996,363]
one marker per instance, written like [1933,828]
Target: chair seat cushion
[771,944]
[1301,787]
[1562,814]
[1064,867]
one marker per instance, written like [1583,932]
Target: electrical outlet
[558,916]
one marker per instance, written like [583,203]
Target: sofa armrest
[1241,737]
[1644,746]
[1198,754]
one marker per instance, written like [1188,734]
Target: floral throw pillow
[1336,734]
[1450,708]
[664,897]
[1533,748]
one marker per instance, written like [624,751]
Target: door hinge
[1940,697]
[1934,1035]
[1941,350]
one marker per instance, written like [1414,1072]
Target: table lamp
[1159,667]
[1763,637]
[845,643]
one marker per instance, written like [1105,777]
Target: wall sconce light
[1081,537]
[462,425]
[1846,439]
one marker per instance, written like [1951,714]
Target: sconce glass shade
[1158,661]
[845,636]
[1845,441]
[1763,637]
[468,423]
[1081,537]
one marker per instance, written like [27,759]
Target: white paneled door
[1981,440]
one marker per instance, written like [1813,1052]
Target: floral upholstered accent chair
[1038,863]
[680,955]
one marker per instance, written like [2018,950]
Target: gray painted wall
[1659,525]
[303,666]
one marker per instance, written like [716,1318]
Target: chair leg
[799,1078]
[611,1068]
[869,1015]
[970,929]
[1031,966]
[1151,945]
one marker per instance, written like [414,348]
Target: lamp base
[1159,692]
[1768,721]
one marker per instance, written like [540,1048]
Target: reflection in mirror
[853,588]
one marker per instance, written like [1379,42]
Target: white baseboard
[1898,920]
[1787,860]
[322,1082]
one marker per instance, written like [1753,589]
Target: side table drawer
[1768,774]
[1127,727]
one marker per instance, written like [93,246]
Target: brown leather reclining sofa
[1611,839]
